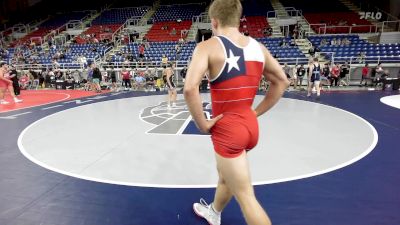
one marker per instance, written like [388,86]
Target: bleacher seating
[335,18]
[157,33]
[157,49]
[284,54]
[110,20]
[254,25]
[385,52]
[175,12]
[99,31]
[256,7]
[119,16]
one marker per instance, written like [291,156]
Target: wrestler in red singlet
[232,94]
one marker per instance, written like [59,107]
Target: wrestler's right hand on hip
[210,123]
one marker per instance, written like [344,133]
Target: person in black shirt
[183,73]
[96,78]
[113,77]
[300,74]
[14,78]
[326,75]
[344,70]
[150,83]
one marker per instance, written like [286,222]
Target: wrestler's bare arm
[273,72]
[197,68]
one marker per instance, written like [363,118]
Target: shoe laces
[211,213]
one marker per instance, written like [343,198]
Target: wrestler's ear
[214,25]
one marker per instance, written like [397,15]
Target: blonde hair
[227,12]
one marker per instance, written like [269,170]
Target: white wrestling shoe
[16,100]
[2,102]
[206,211]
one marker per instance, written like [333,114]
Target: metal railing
[323,28]
[271,14]
[390,26]
[202,18]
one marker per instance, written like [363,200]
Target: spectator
[126,78]
[323,42]
[267,31]
[173,32]
[141,51]
[364,75]
[286,69]
[178,49]
[294,79]
[361,57]
[140,82]
[283,43]
[246,33]
[383,77]
[164,61]
[335,71]
[311,51]
[300,74]
[344,71]
[333,42]
[326,75]
[338,42]
[183,73]
[96,78]
[13,76]
[379,69]
[24,81]
[56,65]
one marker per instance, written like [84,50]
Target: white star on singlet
[232,61]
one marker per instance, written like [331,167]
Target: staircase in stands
[280,12]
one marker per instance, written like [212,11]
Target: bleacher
[175,12]
[292,54]
[120,15]
[386,53]
[110,20]
[337,17]
[256,7]
[158,33]
[254,25]
[157,50]
[51,24]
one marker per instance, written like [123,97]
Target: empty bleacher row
[387,53]
[175,12]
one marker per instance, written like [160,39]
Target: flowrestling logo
[175,120]
[370,15]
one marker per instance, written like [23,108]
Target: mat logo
[370,15]
[175,120]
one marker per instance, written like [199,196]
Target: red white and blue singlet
[232,94]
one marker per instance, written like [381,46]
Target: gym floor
[123,158]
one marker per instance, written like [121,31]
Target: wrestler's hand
[210,123]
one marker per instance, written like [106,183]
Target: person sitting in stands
[333,42]
[173,31]
[24,81]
